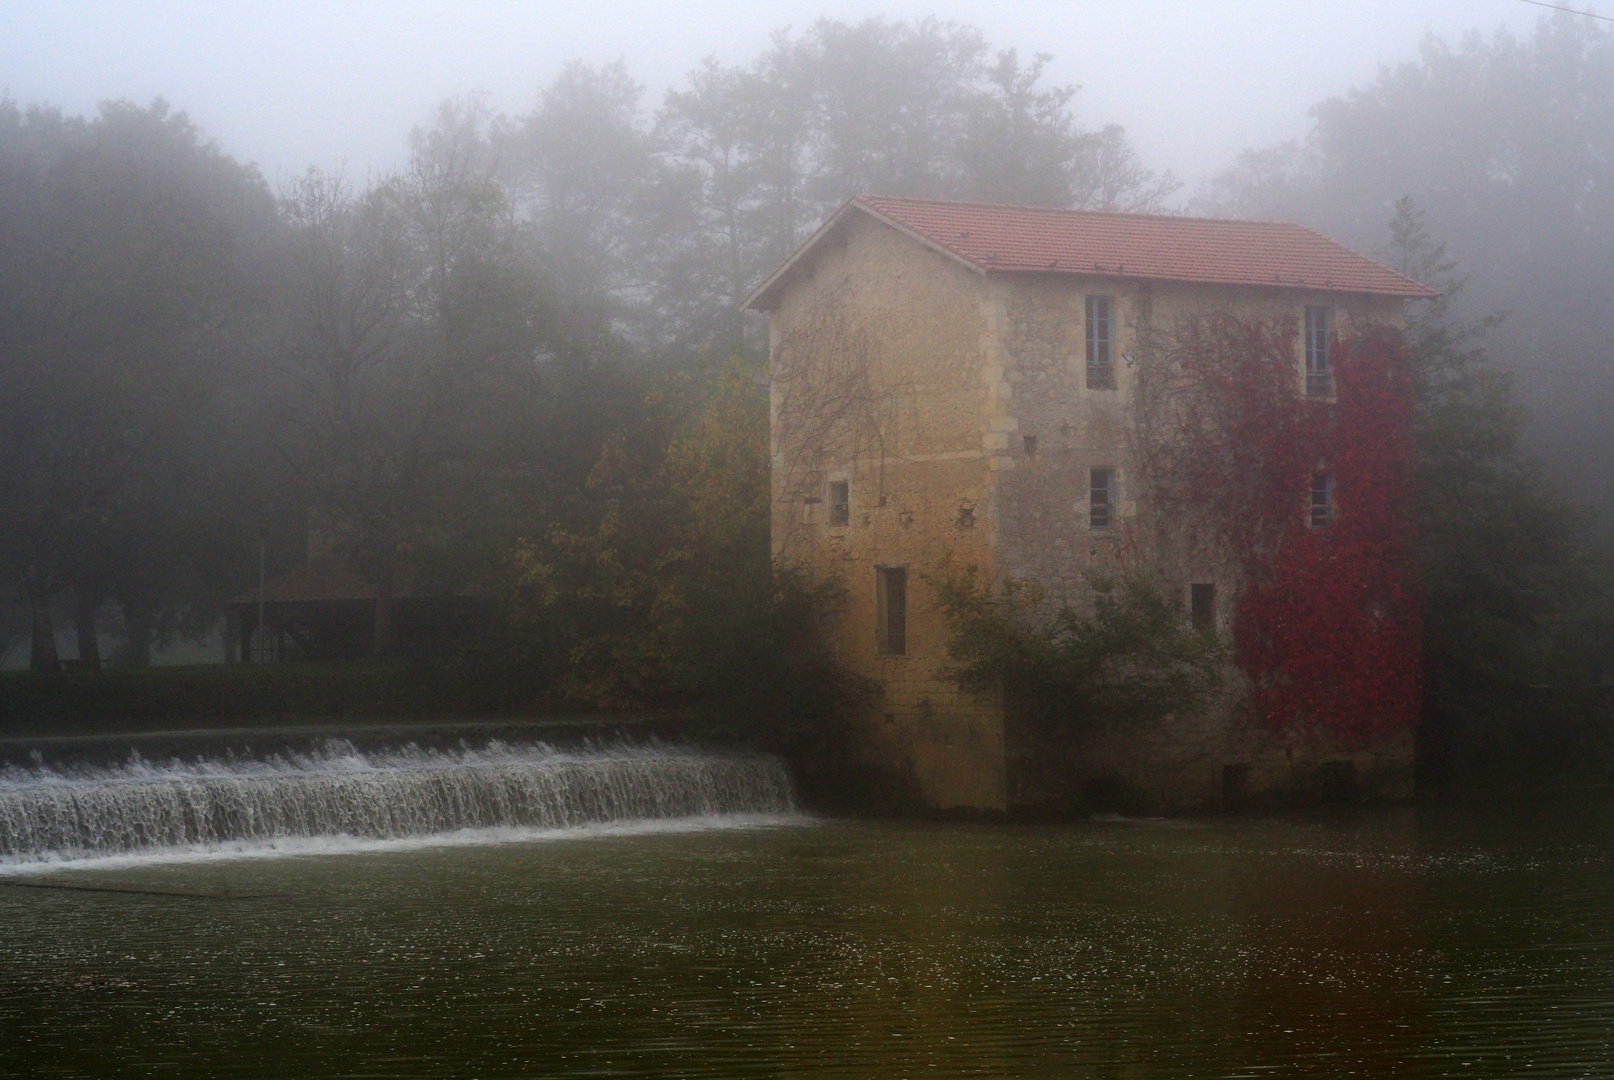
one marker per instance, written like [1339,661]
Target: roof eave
[1417,291]
[757,299]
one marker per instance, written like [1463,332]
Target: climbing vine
[1326,623]
[835,402]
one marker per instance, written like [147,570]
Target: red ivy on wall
[1327,624]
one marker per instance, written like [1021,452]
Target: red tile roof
[1026,239]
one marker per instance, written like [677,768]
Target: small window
[840,502]
[1236,785]
[1101,499]
[1322,500]
[891,602]
[1202,606]
[1031,446]
[1100,367]
[1319,366]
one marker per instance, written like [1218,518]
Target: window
[1100,368]
[1031,446]
[840,502]
[1322,500]
[1235,785]
[1101,499]
[891,603]
[1319,368]
[1202,606]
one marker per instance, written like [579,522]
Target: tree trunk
[42,648]
[139,614]
[89,641]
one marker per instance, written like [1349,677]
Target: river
[1403,942]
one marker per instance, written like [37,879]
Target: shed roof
[990,238]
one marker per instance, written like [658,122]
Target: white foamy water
[338,798]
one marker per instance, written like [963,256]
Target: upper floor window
[1202,606]
[891,610]
[1100,365]
[1319,365]
[1101,499]
[1322,500]
[840,502]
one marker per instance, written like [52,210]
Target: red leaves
[1327,625]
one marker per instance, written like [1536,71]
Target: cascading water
[51,815]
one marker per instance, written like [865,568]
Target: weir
[60,812]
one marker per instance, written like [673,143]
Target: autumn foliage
[1326,621]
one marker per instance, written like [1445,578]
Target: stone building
[951,385]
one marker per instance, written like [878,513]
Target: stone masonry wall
[952,372]
[1042,507]
[919,486]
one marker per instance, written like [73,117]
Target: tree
[412,338]
[577,167]
[1130,657]
[744,160]
[128,259]
[1506,144]
[1517,607]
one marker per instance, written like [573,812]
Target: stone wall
[918,381]
[919,483]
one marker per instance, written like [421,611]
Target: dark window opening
[1337,783]
[1322,500]
[1101,499]
[840,502]
[1236,785]
[891,602]
[1100,365]
[1202,606]
[1031,446]
[1319,365]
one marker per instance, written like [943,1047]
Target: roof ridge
[1128,214]
[989,238]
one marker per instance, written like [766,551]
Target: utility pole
[261,650]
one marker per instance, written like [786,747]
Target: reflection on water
[1393,945]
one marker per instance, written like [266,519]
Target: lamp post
[261,649]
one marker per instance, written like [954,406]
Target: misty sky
[298,82]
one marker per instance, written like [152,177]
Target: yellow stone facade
[916,380]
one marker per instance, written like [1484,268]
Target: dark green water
[1401,944]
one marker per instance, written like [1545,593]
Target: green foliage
[1516,582]
[130,248]
[668,594]
[234,695]
[1131,658]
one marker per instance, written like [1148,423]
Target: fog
[443,303]
[294,84]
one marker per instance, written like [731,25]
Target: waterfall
[54,814]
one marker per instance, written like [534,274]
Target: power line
[1572,11]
